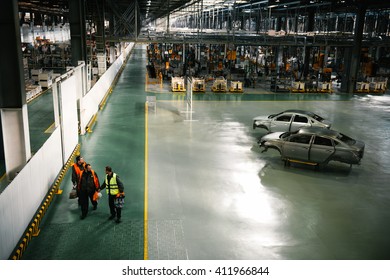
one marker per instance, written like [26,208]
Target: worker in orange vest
[88,184]
[77,168]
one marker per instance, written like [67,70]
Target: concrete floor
[226,200]
[213,195]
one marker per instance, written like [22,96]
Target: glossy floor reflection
[230,201]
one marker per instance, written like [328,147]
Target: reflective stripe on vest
[112,186]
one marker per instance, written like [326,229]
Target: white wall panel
[69,119]
[89,105]
[19,215]
[6,230]
[79,81]
[51,152]
[7,226]
[21,199]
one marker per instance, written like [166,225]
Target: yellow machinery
[178,84]
[198,85]
[298,87]
[326,87]
[236,86]
[378,87]
[219,85]
[362,87]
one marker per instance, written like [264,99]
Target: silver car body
[315,145]
[290,120]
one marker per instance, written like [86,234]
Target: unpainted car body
[315,145]
[290,120]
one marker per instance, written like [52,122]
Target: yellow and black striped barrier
[33,229]
[91,123]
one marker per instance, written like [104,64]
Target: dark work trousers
[83,198]
[114,210]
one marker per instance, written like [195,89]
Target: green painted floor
[41,119]
[117,140]
[213,194]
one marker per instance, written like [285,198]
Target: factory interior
[166,92]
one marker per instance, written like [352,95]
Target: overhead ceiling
[149,9]
[154,9]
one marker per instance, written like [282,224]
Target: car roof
[299,112]
[319,131]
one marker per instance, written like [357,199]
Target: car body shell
[290,120]
[315,145]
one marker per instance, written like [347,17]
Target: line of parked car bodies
[304,137]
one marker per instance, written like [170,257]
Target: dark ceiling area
[149,9]
[154,9]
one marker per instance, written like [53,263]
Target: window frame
[284,115]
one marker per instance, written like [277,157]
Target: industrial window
[302,139]
[322,141]
[284,118]
[300,119]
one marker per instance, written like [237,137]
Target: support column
[351,69]
[168,18]
[184,54]
[310,28]
[112,44]
[56,104]
[99,16]
[14,118]
[279,24]
[77,31]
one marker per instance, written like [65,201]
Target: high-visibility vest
[112,186]
[95,179]
[78,170]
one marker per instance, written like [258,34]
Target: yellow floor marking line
[146,187]
[146,82]
[50,128]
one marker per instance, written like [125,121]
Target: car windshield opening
[346,139]
[317,118]
[274,115]
[285,135]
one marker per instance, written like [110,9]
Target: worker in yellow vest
[114,188]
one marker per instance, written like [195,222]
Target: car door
[321,149]
[297,147]
[281,123]
[299,121]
